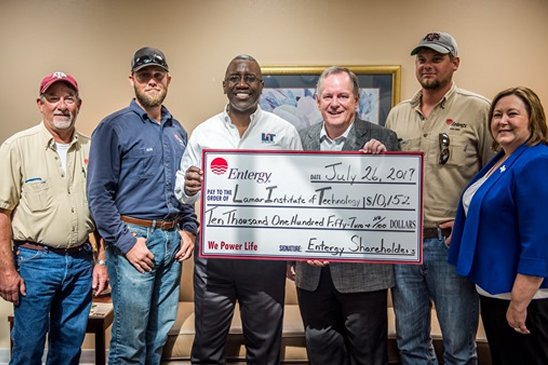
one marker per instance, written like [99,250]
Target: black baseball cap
[148,56]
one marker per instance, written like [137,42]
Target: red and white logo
[218,166]
[449,121]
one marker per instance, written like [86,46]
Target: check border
[209,155]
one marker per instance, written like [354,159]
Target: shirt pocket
[413,144]
[462,153]
[141,162]
[37,196]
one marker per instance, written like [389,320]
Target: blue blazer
[506,229]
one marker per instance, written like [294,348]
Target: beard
[431,84]
[148,100]
[435,84]
[63,122]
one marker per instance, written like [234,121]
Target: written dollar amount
[234,218]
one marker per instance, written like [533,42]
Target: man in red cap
[43,209]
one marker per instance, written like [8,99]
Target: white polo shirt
[266,131]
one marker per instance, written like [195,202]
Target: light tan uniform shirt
[49,206]
[463,116]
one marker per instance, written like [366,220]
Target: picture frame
[289,92]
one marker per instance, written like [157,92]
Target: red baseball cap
[52,78]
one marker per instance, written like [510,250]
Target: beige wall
[502,43]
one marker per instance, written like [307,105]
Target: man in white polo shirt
[257,285]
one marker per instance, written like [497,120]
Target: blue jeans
[145,304]
[58,301]
[456,303]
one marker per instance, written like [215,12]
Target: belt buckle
[163,224]
[440,233]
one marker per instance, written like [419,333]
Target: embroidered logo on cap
[431,37]
[59,75]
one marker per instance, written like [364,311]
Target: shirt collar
[416,100]
[342,137]
[255,116]
[136,108]
[47,138]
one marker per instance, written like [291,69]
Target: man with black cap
[43,210]
[135,153]
[450,126]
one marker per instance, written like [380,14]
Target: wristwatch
[101,262]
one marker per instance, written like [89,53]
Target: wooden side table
[100,319]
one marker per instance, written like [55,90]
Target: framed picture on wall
[289,91]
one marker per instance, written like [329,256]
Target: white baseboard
[4,356]
[87,358]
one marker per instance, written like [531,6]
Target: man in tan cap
[43,210]
[450,126]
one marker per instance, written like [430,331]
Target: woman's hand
[524,289]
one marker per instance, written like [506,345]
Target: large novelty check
[335,206]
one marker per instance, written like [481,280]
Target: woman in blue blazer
[500,236]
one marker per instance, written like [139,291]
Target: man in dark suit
[343,305]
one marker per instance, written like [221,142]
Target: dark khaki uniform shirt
[460,114]
[49,206]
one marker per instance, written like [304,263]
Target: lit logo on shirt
[267,137]
[218,166]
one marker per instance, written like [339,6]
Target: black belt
[150,223]
[434,232]
[41,247]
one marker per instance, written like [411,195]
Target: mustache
[62,114]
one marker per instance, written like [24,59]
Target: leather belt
[434,232]
[150,223]
[40,247]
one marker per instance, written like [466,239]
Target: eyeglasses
[248,78]
[145,60]
[444,148]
